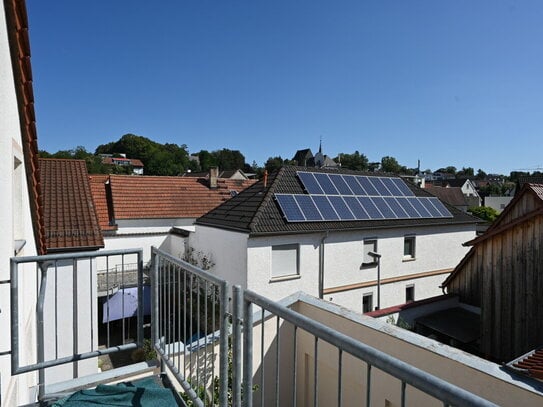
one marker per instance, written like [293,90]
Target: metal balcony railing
[224,345]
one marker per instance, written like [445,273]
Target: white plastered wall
[15,223]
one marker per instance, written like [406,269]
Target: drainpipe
[321,266]
[378,257]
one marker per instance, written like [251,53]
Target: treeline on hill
[158,159]
[174,159]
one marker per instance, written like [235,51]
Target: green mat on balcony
[140,393]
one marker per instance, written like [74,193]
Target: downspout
[321,266]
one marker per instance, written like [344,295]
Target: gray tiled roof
[256,212]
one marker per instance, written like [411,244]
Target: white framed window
[367,302]
[285,261]
[409,247]
[370,245]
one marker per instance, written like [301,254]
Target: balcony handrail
[424,381]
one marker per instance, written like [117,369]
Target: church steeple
[320,145]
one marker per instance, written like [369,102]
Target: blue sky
[447,82]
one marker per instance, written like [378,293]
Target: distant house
[498,203]
[468,188]
[137,165]
[227,174]
[156,210]
[501,275]
[259,246]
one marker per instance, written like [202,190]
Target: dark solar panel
[419,207]
[340,184]
[354,185]
[370,207]
[325,208]
[356,208]
[333,197]
[326,184]
[290,208]
[440,207]
[402,186]
[379,186]
[310,183]
[408,208]
[430,207]
[368,187]
[396,207]
[392,187]
[341,208]
[383,207]
[306,204]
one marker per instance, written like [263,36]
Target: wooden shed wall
[504,276]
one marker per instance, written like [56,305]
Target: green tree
[207,160]
[274,163]
[484,212]
[480,174]
[229,159]
[355,161]
[390,164]
[465,172]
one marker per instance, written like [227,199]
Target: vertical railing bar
[154,297]
[108,332]
[56,310]
[316,373]
[205,331]
[169,313]
[223,345]
[403,393]
[40,327]
[178,319]
[141,302]
[368,386]
[14,315]
[277,354]
[190,325]
[91,303]
[197,331]
[295,368]
[262,364]
[184,322]
[247,354]
[236,344]
[75,314]
[339,378]
[122,298]
[213,330]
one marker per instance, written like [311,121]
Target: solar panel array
[344,197]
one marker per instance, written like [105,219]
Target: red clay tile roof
[130,161]
[148,197]
[19,43]
[530,364]
[99,194]
[71,222]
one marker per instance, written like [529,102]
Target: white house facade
[329,260]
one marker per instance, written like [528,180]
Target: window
[409,247]
[410,293]
[284,260]
[367,303]
[369,246]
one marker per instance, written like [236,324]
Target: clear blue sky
[447,82]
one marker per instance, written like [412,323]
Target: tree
[465,172]
[274,163]
[229,159]
[390,164]
[449,170]
[355,161]
[207,160]
[480,174]
[484,212]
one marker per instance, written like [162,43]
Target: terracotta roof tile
[99,194]
[147,197]
[71,222]
[530,364]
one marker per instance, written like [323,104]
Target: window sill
[407,259]
[284,278]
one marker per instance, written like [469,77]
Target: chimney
[265,178]
[213,175]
